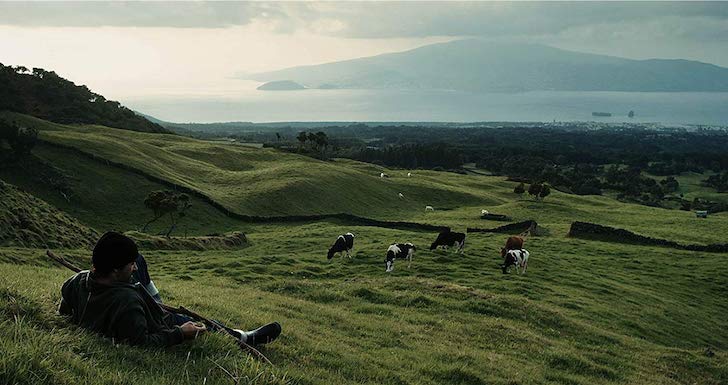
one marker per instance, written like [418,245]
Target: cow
[449,238]
[429,208]
[400,195]
[512,243]
[399,251]
[343,243]
[517,258]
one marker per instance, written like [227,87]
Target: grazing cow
[517,258]
[429,208]
[512,243]
[409,174]
[383,175]
[484,212]
[400,195]
[343,243]
[399,251]
[447,239]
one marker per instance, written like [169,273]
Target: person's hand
[191,329]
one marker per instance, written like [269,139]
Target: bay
[669,108]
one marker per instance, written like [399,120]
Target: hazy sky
[133,50]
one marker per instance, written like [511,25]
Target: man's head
[114,256]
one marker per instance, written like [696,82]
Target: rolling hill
[480,66]
[269,183]
[587,312]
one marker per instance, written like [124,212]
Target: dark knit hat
[113,251]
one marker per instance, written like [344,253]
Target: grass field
[586,312]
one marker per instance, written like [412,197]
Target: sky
[157,49]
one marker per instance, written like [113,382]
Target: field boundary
[597,232]
[233,240]
[518,227]
[362,221]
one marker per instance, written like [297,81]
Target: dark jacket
[122,311]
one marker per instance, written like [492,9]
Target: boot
[261,335]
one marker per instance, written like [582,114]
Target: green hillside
[262,182]
[26,221]
[97,188]
[266,182]
[587,312]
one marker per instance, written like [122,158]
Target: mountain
[476,65]
[46,95]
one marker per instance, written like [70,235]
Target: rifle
[182,310]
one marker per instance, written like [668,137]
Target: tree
[302,137]
[321,141]
[545,191]
[520,189]
[46,95]
[670,184]
[534,190]
[21,140]
[165,202]
[24,141]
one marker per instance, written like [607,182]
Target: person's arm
[131,326]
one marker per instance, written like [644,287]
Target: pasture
[587,312]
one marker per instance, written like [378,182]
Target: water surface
[452,106]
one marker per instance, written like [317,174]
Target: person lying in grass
[111,300]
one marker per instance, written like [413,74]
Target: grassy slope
[117,193]
[258,181]
[267,182]
[26,221]
[586,313]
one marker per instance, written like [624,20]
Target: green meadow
[586,312]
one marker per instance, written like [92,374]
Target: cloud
[132,14]
[360,19]
[576,24]
[497,19]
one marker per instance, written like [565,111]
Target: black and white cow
[343,243]
[517,258]
[399,251]
[449,238]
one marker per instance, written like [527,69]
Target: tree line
[47,96]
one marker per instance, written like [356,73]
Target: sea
[313,105]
